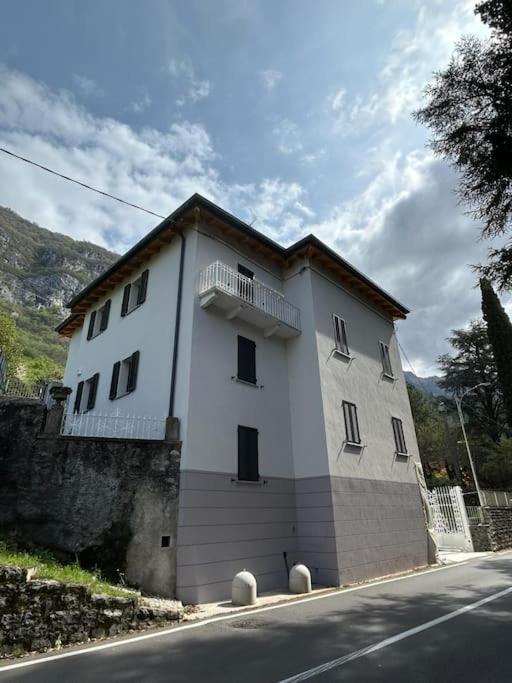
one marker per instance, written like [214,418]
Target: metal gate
[448,519]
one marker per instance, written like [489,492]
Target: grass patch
[48,567]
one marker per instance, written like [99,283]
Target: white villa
[281,367]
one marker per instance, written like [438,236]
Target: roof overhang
[188,214]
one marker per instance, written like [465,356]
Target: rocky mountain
[428,385]
[40,271]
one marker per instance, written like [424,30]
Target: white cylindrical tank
[300,579]
[244,589]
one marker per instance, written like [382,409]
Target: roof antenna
[255,218]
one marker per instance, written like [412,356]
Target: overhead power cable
[78,182]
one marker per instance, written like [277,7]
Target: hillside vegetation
[40,271]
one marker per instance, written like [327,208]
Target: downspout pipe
[177,325]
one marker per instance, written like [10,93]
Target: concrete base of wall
[343,529]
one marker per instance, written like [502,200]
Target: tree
[41,368]
[9,343]
[472,364]
[496,471]
[468,110]
[428,425]
[499,333]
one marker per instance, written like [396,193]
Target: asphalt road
[449,625]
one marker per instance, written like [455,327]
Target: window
[398,432]
[248,454]
[245,288]
[340,335]
[85,397]
[386,360]
[124,376]
[134,294]
[351,423]
[246,360]
[78,397]
[245,271]
[98,321]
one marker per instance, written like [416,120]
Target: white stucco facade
[300,507]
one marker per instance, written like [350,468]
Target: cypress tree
[499,331]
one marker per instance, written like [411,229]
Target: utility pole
[458,403]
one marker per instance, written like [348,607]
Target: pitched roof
[185,215]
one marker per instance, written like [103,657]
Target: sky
[295,115]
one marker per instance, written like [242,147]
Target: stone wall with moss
[37,615]
[109,502]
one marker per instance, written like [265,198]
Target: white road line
[336,663]
[176,630]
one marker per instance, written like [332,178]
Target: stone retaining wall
[480,537]
[37,615]
[111,502]
[500,527]
[495,533]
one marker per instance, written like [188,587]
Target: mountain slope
[40,271]
[428,385]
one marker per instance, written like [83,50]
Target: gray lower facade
[343,528]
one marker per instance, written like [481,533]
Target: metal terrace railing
[221,277]
[105,425]
[17,388]
[475,514]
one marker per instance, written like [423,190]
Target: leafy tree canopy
[499,332]
[9,342]
[473,363]
[469,112]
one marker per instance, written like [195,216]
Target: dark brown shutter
[246,360]
[104,315]
[351,423]
[143,287]
[132,373]
[92,319]
[114,380]
[78,397]
[126,300]
[398,433]
[248,469]
[93,389]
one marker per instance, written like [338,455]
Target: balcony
[237,296]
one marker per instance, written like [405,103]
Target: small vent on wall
[165,542]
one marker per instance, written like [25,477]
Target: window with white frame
[340,335]
[134,294]
[398,432]
[98,320]
[352,434]
[386,360]
[124,376]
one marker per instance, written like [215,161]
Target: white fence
[220,276]
[18,389]
[475,514]
[450,524]
[497,498]
[116,426]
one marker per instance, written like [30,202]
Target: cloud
[270,78]
[86,86]
[195,89]
[415,53]
[140,105]
[288,136]
[403,227]
[406,231]
[153,168]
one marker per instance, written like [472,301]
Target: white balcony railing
[113,426]
[220,277]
